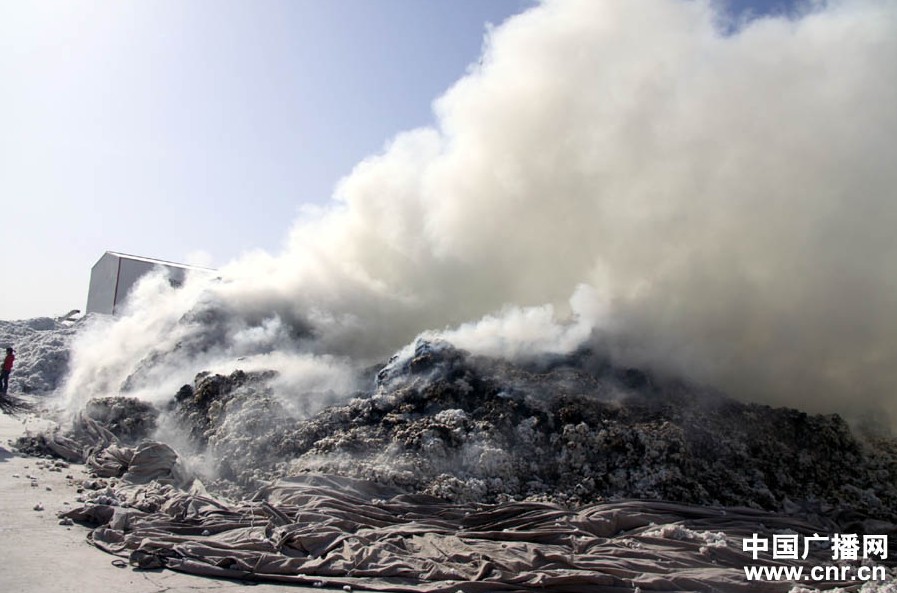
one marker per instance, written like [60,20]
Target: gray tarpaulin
[339,531]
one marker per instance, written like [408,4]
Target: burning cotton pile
[615,186]
[394,489]
[572,429]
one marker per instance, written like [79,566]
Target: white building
[114,274]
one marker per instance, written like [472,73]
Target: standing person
[7,368]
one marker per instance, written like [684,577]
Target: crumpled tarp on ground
[338,531]
[89,441]
[138,465]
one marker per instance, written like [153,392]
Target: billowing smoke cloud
[704,199]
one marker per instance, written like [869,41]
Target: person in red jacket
[7,368]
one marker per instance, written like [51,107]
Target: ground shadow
[5,454]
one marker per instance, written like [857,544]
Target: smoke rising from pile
[707,200]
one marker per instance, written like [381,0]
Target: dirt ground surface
[39,555]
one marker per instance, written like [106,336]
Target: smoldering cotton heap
[723,190]
[680,193]
[570,429]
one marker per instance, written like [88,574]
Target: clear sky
[194,131]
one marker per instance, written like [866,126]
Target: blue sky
[170,128]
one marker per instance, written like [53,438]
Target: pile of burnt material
[572,430]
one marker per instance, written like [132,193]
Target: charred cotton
[572,430]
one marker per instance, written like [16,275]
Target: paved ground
[38,555]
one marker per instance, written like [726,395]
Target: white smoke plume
[718,198]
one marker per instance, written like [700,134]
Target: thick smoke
[701,197]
